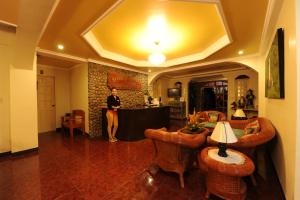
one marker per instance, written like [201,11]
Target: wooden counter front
[134,121]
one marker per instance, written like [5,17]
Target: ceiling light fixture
[156,57]
[241,52]
[60,47]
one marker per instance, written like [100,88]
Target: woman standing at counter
[113,104]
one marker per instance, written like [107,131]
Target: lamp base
[222,150]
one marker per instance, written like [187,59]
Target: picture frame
[274,65]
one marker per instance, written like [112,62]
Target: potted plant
[193,126]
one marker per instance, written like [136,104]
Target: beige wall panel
[6,50]
[79,90]
[23,94]
[282,112]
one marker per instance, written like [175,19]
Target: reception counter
[134,121]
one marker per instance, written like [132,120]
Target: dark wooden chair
[76,120]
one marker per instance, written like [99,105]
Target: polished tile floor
[95,169]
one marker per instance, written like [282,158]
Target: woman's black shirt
[112,101]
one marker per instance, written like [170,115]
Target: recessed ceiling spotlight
[241,52]
[60,47]
[149,70]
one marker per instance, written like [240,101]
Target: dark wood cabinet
[177,109]
[134,121]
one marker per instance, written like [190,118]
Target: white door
[46,104]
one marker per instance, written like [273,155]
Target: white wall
[282,112]
[159,89]
[23,108]
[297,172]
[6,50]
[18,121]
[62,89]
[18,96]
[79,90]
[23,94]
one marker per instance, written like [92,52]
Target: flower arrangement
[193,124]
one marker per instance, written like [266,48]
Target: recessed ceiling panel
[133,29]
[73,19]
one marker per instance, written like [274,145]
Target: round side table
[223,179]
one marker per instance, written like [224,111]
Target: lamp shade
[223,133]
[239,113]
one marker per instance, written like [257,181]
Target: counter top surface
[139,107]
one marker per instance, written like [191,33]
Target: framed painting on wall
[274,79]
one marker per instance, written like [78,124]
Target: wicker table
[224,180]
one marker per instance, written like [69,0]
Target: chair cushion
[67,117]
[78,119]
[252,127]
[208,124]
[238,132]
[213,117]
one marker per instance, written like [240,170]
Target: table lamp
[223,134]
[239,113]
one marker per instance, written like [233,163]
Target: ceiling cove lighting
[60,47]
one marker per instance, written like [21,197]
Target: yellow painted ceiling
[245,20]
[50,61]
[190,27]
[9,11]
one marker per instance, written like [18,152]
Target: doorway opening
[209,95]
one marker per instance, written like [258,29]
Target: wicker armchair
[204,115]
[248,143]
[175,151]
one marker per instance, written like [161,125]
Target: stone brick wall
[98,92]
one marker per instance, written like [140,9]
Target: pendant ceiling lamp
[156,57]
